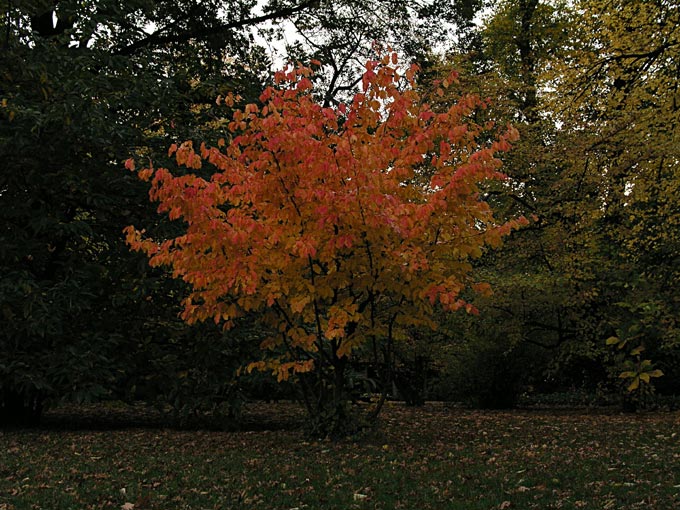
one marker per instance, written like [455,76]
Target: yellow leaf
[269,343]
[298,304]
[637,351]
[257,365]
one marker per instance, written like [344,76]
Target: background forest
[584,297]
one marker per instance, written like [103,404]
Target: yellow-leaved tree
[619,90]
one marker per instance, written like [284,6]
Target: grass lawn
[430,458]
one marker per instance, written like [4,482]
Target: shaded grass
[431,458]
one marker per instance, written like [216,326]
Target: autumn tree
[344,226]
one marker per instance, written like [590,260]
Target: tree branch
[641,55]
[158,39]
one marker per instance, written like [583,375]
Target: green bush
[486,374]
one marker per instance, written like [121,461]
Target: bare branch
[158,39]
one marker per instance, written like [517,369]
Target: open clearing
[429,458]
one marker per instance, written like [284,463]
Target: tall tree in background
[539,304]
[589,87]
[343,35]
[549,266]
[79,91]
[621,88]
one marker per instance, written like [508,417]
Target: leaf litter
[431,458]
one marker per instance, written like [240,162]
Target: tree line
[582,295]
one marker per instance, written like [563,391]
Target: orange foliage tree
[343,227]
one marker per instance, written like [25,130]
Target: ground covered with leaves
[429,458]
